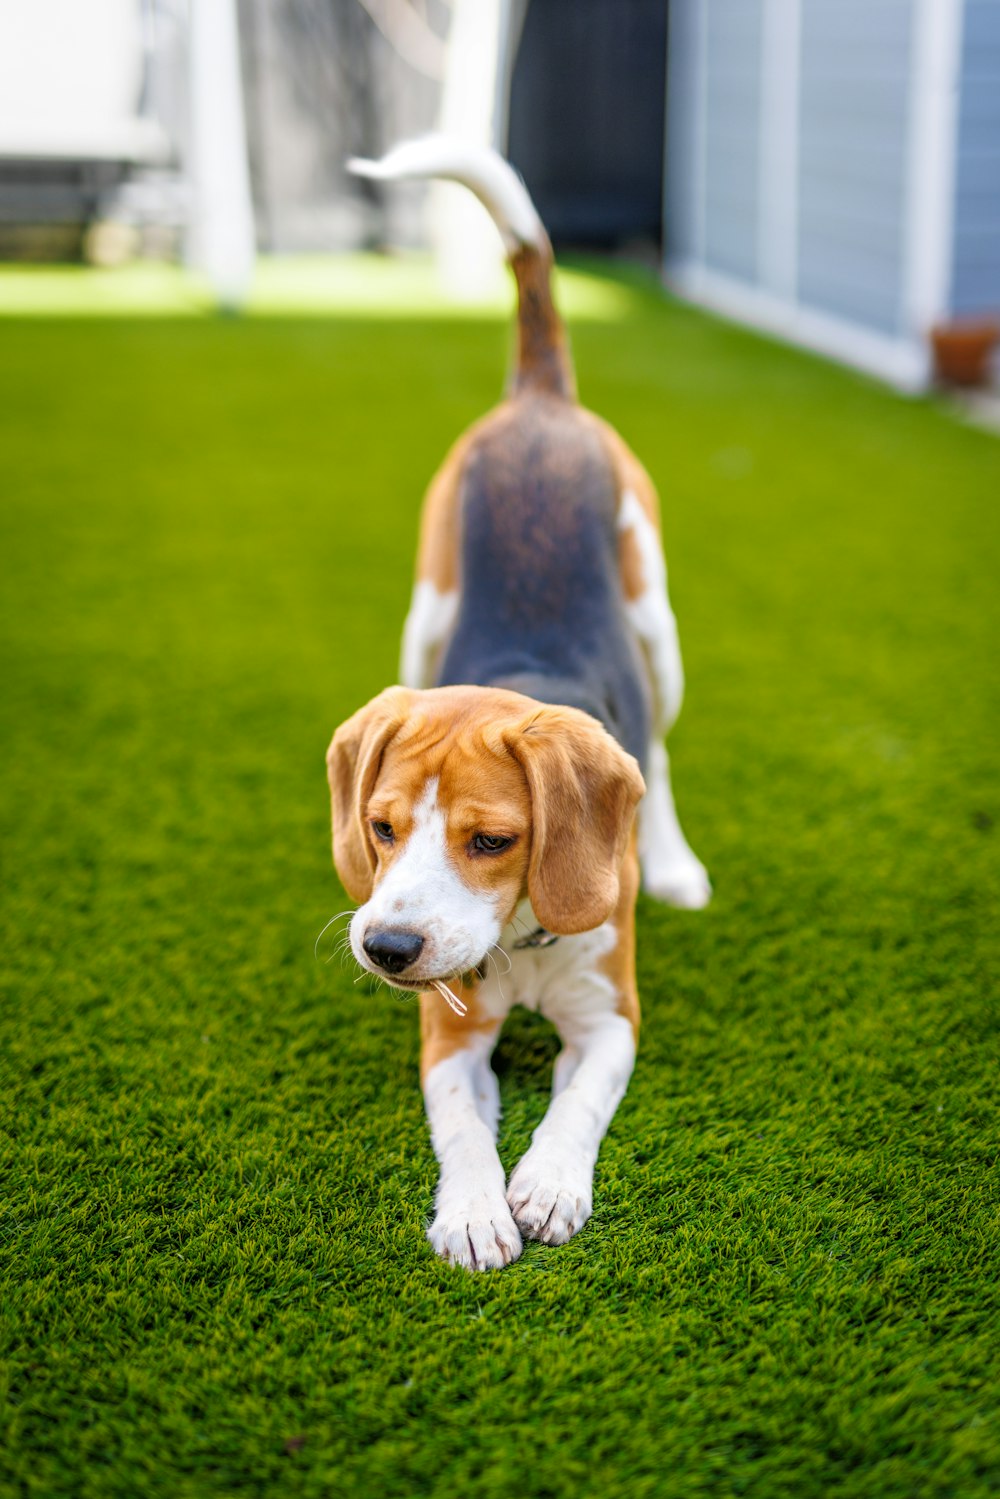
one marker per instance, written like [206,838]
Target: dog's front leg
[551,1191]
[473,1225]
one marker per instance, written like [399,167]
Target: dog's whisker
[329,924]
[340,949]
[496,968]
[337,950]
[496,948]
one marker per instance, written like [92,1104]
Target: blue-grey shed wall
[854,108]
[732,135]
[975,278]
[854,115]
[713,134]
[682,186]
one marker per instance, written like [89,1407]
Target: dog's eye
[383,831]
[486,843]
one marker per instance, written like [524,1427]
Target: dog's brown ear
[584,790]
[352,766]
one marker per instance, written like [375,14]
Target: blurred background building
[834,168]
[826,169]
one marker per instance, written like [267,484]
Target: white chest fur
[562,981]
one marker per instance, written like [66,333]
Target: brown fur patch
[630,475]
[452,734]
[630,472]
[619,964]
[540,473]
[543,362]
[584,792]
[558,446]
[440,521]
[630,564]
[568,440]
[442,1032]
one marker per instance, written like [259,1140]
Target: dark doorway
[587,118]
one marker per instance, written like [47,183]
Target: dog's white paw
[483,1236]
[683,883]
[550,1199]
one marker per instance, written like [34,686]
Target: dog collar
[538,938]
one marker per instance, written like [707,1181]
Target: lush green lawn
[216,1176]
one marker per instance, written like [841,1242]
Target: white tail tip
[360,166]
[479,168]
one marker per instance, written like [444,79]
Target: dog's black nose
[393,951]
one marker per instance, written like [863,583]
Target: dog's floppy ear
[584,790]
[352,766]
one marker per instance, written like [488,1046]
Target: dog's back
[541,609]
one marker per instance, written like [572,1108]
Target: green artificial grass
[216,1174]
[345,286]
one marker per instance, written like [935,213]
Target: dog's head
[451,805]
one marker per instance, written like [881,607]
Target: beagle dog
[484,812]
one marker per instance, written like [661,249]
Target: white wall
[70,74]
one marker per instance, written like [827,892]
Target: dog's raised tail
[543,362]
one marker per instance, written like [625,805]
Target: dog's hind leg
[670,870]
[425,633]
[434,604]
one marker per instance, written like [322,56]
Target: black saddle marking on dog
[541,608]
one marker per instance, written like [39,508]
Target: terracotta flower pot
[962,350]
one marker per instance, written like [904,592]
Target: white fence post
[221,233]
